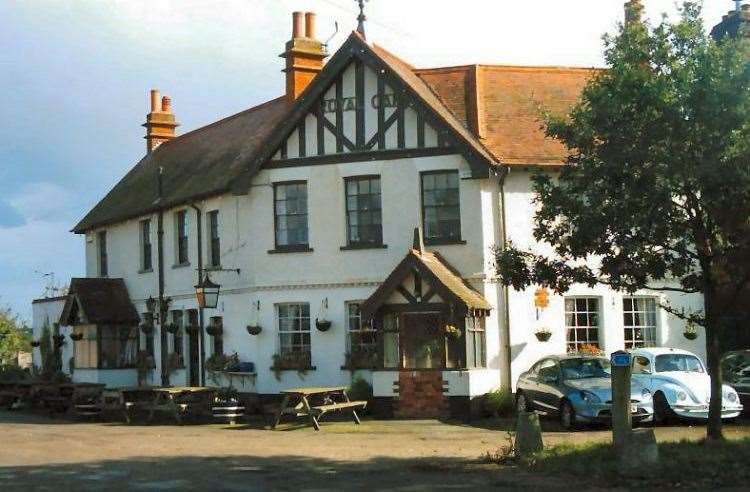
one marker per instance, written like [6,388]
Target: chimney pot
[298,25]
[166,104]
[310,25]
[154,100]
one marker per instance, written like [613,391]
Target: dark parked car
[577,388]
[735,366]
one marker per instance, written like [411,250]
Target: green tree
[15,337]
[657,191]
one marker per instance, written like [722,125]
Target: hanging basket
[543,336]
[214,330]
[35,343]
[76,336]
[253,329]
[690,335]
[171,328]
[322,325]
[147,328]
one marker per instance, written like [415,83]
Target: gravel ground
[37,453]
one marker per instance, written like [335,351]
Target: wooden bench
[337,407]
[296,402]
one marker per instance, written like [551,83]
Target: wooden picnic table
[178,402]
[315,402]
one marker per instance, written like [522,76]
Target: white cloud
[42,201]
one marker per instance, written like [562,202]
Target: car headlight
[681,396]
[731,396]
[645,394]
[590,397]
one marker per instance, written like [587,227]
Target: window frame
[307,333]
[147,258]
[102,254]
[589,328]
[374,350]
[439,240]
[630,342]
[178,337]
[290,247]
[472,333]
[350,244]
[214,241]
[217,341]
[182,233]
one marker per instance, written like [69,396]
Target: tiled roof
[102,300]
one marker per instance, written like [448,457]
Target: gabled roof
[446,281]
[491,112]
[98,301]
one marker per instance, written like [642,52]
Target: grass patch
[681,464]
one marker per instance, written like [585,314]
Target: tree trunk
[714,328]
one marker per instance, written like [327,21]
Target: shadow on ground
[248,473]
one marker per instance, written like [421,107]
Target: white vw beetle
[679,384]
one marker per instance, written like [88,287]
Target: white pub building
[350,227]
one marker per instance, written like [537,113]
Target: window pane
[440,205]
[363,206]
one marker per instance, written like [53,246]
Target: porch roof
[98,301]
[446,281]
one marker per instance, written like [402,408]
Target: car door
[548,386]
[529,384]
[642,370]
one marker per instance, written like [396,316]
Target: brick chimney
[735,23]
[633,12]
[304,55]
[160,122]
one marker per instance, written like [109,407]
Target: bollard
[528,434]
[621,419]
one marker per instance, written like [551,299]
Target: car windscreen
[678,363]
[584,368]
[735,366]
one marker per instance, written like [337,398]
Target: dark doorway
[422,341]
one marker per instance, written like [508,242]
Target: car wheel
[567,416]
[663,413]
[522,405]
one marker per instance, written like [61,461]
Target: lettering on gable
[350,103]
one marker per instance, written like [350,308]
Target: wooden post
[621,419]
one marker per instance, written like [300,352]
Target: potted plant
[543,334]
[690,331]
[254,329]
[322,325]
[147,328]
[76,336]
[452,331]
[171,328]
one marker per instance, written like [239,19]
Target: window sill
[443,242]
[181,265]
[362,368]
[148,270]
[354,247]
[296,369]
[290,249]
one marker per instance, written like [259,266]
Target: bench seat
[332,407]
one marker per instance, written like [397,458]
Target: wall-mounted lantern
[207,293]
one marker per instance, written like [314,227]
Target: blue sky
[75,75]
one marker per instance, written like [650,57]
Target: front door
[422,341]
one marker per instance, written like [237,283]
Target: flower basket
[253,329]
[543,335]
[322,325]
[76,336]
[147,328]
[214,330]
[35,343]
[171,328]
[452,331]
[690,335]
[58,340]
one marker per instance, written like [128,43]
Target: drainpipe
[506,376]
[160,254]
[199,226]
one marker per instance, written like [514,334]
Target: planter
[253,330]
[35,343]
[322,325]
[214,330]
[171,328]
[690,335]
[147,328]
[76,336]
[543,336]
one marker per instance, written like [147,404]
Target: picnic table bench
[313,403]
[177,402]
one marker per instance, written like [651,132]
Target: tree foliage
[15,337]
[657,191]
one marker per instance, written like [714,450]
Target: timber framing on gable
[450,136]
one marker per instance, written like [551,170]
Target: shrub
[499,402]
[360,390]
